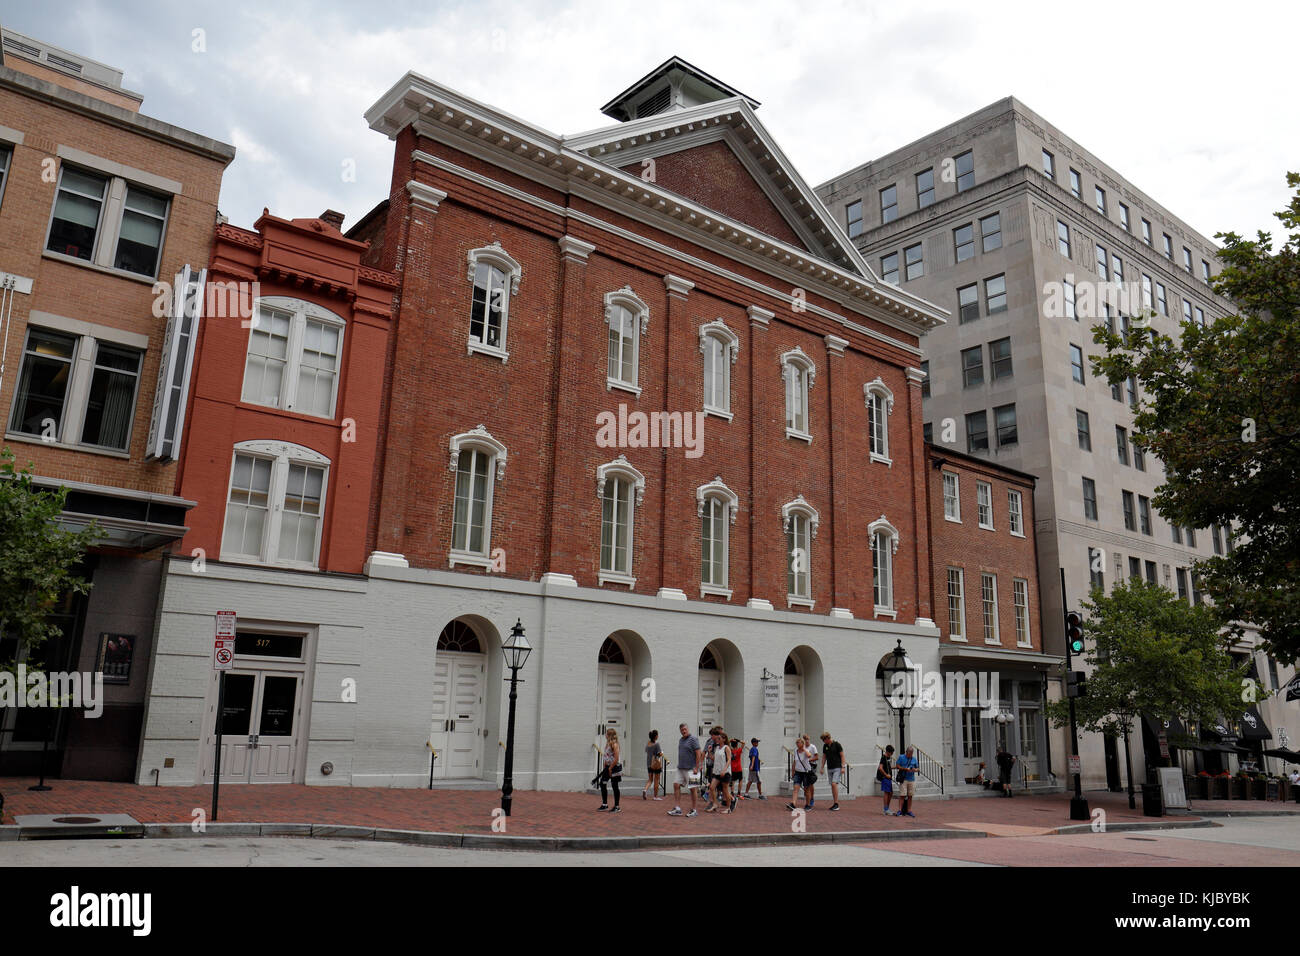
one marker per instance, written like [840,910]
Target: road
[1238,842]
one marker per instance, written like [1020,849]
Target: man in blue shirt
[907,765]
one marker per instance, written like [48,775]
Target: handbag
[616,771]
[656,764]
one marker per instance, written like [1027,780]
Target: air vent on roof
[31,51]
[69,65]
[655,104]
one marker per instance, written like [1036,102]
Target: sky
[1194,103]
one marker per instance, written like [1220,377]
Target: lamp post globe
[899,685]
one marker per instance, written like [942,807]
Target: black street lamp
[899,685]
[516,649]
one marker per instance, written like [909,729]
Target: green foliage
[1153,654]
[1221,409]
[37,557]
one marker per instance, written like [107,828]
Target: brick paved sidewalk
[560,814]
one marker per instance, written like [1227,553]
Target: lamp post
[898,685]
[516,650]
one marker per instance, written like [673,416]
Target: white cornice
[425,195]
[676,285]
[572,248]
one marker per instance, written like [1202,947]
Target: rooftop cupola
[671,86]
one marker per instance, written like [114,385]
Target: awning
[127,518]
[1253,726]
[1290,756]
[1293,688]
[1172,728]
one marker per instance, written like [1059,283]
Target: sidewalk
[549,814]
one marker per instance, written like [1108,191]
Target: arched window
[460,637]
[799,373]
[479,461]
[495,276]
[880,405]
[707,661]
[884,545]
[275,504]
[611,652]
[800,521]
[294,348]
[719,346]
[628,318]
[620,488]
[716,505]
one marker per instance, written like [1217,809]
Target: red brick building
[986,598]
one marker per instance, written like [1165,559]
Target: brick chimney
[335,219]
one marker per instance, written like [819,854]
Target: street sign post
[223,658]
[1074,764]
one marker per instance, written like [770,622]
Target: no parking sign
[223,650]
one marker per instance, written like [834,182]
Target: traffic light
[1076,684]
[1074,632]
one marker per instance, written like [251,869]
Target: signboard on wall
[167,421]
[771,696]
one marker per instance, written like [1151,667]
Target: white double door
[712,697]
[262,727]
[457,732]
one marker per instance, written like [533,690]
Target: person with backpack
[654,765]
[885,775]
[907,766]
[755,766]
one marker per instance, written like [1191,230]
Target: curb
[1079,828]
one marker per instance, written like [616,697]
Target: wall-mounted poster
[115,654]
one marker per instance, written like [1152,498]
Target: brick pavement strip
[552,820]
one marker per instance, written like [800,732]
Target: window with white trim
[799,520]
[106,220]
[628,318]
[951,500]
[956,604]
[275,504]
[880,405]
[620,488]
[716,505]
[1015,513]
[479,461]
[1020,597]
[984,504]
[294,350]
[799,373]
[719,346]
[495,276]
[989,602]
[884,545]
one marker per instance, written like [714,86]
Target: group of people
[903,774]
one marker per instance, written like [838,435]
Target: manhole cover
[76,819]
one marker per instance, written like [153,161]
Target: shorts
[833,774]
[907,788]
[683,778]
[886,785]
[753,776]
[798,778]
[722,778]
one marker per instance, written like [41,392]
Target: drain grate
[80,826]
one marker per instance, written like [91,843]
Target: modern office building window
[1081,426]
[1015,513]
[977,431]
[989,603]
[78,207]
[125,235]
[1004,419]
[1121,443]
[1205,272]
[1169,245]
[1187,260]
[1131,385]
[1187,311]
[1076,184]
[995,294]
[968,304]
[1191,537]
[913,262]
[1116,269]
[889,268]
[956,604]
[1200,316]
[1000,359]
[1076,363]
[1067,294]
[972,366]
[1181,575]
[1130,517]
[1049,165]
[1151,573]
[888,204]
[1096,568]
[963,239]
[1176,533]
[1147,304]
[1146,232]
[1144,514]
[1100,195]
[924,188]
[1101,263]
[1139,456]
[1134,568]
[853,218]
[951,497]
[965,171]
[1089,499]
[991,232]
[925,378]
[984,504]
[1216,538]
[1123,217]
[1198,596]
[1063,238]
[1162,303]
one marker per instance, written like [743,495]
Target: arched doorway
[459,676]
[712,690]
[792,704]
[613,688]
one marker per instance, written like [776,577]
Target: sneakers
[693,813]
[909,813]
[603,806]
[658,798]
[643,796]
[835,806]
[886,811]
[790,806]
[617,810]
[676,812]
[811,804]
[733,803]
[761,797]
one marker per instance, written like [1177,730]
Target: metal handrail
[927,766]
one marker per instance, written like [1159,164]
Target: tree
[1152,653]
[37,558]
[1221,410]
